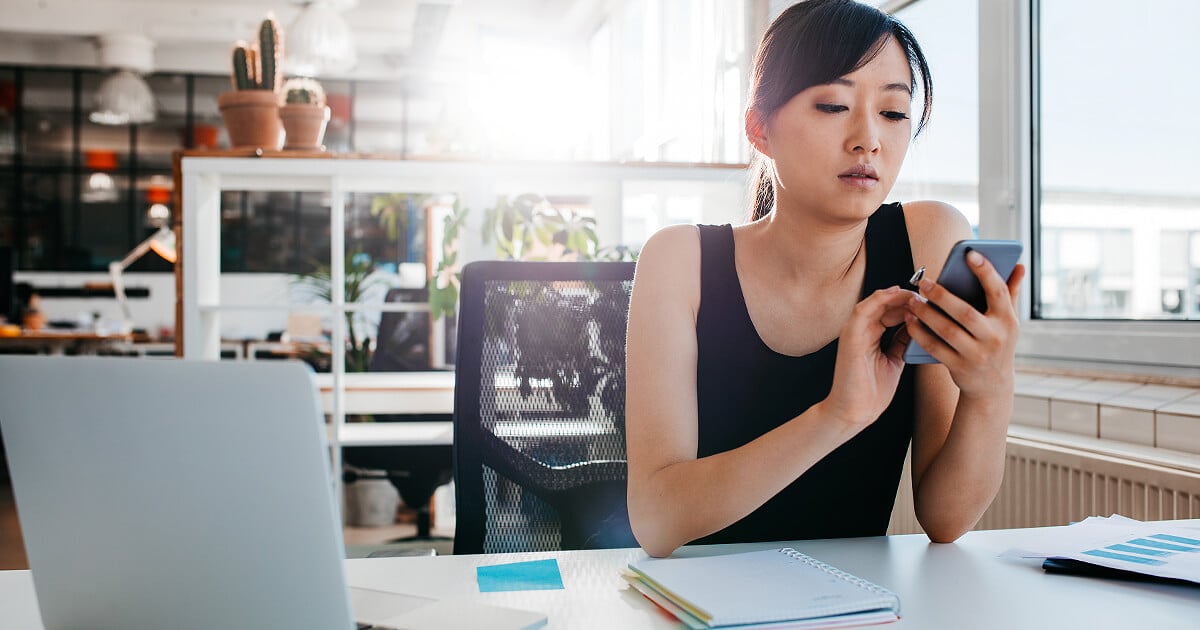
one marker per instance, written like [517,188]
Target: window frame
[1008,203]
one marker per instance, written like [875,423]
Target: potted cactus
[251,110]
[304,114]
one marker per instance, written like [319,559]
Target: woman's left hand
[977,348]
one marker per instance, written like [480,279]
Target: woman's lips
[860,182]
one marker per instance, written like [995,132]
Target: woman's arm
[963,404]
[674,497]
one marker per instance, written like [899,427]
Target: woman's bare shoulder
[668,269]
[933,228]
[673,248]
[675,239]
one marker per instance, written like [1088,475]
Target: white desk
[396,433]
[962,585]
[391,392]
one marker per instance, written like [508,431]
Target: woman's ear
[756,131]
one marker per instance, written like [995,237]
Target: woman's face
[838,147]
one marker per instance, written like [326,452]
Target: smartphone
[958,278]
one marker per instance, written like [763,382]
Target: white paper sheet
[1151,548]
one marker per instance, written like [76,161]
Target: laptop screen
[174,494]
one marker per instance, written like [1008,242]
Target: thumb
[899,343]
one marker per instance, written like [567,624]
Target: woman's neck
[810,247]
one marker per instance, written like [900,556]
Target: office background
[1043,130]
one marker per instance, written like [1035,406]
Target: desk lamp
[163,244]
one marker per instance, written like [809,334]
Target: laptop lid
[173,494]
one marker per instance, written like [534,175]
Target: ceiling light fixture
[319,42]
[124,98]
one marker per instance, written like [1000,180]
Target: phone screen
[957,277]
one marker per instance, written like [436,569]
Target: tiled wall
[1151,415]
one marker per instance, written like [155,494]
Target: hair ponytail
[762,188]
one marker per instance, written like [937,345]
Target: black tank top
[745,389]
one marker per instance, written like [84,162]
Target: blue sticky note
[537,575]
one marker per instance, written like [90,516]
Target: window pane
[104,222]
[380,112]
[157,140]
[7,208]
[8,117]
[208,130]
[47,229]
[47,125]
[274,232]
[1118,201]
[678,80]
[943,162]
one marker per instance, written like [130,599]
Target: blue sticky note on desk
[537,575]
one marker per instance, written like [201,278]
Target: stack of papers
[1149,548]
[776,588]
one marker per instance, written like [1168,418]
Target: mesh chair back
[539,409]
[403,340]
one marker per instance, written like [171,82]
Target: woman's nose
[864,135]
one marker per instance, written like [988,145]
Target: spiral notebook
[772,588]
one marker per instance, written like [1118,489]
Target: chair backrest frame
[475,446]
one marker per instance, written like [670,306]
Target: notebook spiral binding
[886,597]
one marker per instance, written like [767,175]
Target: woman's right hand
[865,376]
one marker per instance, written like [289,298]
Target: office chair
[416,471]
[539,407]
[402,344]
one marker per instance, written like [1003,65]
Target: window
[680,68]
[1087,112]
[1116,126]
[943,162]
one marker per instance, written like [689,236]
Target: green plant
[527,227]
[617,253]
[443,290]
[303,90]
[359,280]
[256,68]
[392,210]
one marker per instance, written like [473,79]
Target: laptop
[174,494]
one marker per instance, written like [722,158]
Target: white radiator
[1068,479]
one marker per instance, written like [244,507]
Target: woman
[767,398]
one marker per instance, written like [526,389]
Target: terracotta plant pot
[252,118]
[304,125]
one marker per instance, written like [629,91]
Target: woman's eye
[895,115]
[831,109]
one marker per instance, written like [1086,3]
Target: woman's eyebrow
[888,87]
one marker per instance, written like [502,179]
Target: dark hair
[812,43]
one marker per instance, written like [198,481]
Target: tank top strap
[718,272]
[889,253]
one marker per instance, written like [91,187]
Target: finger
[894,315]
[899,343]
[954,307]
[931,343]
[1014,283]
[949,330]
[872,318]
[994,288]
[870,314]
[875,305]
